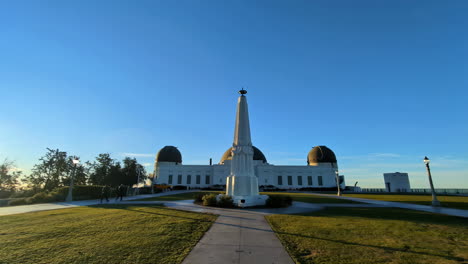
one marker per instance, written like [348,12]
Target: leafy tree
[52,170]
[8,176]
[115,176]
[130,171]
[80,172]
[101,169]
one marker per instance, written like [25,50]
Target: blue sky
[382,83]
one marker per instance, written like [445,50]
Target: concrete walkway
[417,207]
[9,210]
[237,236]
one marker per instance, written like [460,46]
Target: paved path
[9,210]
[237,236]
[417,207]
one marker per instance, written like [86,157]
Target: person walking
[120,192]
[105,193]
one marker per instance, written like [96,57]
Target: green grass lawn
[178,197]
[310,198]
[459,202]
[101,234]
[372,235]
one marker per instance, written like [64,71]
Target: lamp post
[75,161]
[338,183]
[435,202]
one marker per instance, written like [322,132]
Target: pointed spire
[242,128]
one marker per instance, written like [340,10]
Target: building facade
[319,173]
[397,182]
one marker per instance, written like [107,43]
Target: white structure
[242,184]
[250,167]
[397,182]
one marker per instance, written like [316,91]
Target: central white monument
[242,184]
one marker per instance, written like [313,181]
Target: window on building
[179,179]
[289,180]
[207,179]
[189,179]
[299,180]
[280,180]
[309,180]
[320,182]
[198,179]
[170,179]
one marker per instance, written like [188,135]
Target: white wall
[397,182]
[267,174]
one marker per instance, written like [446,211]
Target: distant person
[105,193]
[120,192]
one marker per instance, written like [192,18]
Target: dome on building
[169,154]
[321,154]
[258,155]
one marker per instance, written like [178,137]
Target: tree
[51,172]
[8,176]
[101,169]
[130,171]
[80,172]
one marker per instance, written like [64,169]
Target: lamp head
[426,160]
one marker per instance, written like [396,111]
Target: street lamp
[75,161]
[338,183]
[435,202]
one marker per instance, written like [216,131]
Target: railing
[420,190]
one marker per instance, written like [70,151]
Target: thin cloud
[140,155]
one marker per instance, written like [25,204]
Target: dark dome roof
[258,155]
[169,154]
[321,154]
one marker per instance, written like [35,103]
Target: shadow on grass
[406,250]
[386,214]
[390,213]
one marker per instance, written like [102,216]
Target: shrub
[277,201]
[198,197]
[80,192]
[179,187]
[209,199]
[24,193]
[225,201]
[19,201]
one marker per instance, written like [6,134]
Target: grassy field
[300,197]
[372,235]
[310,198]
[101,234]
[459,202]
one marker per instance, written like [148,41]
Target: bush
[179,187]
[198,197]
[5,194]
[80,192]
[24,193]
[225,201]
[209,199]
[19,201]
[277,201]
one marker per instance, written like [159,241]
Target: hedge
[80,192]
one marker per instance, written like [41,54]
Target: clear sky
[381,83]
